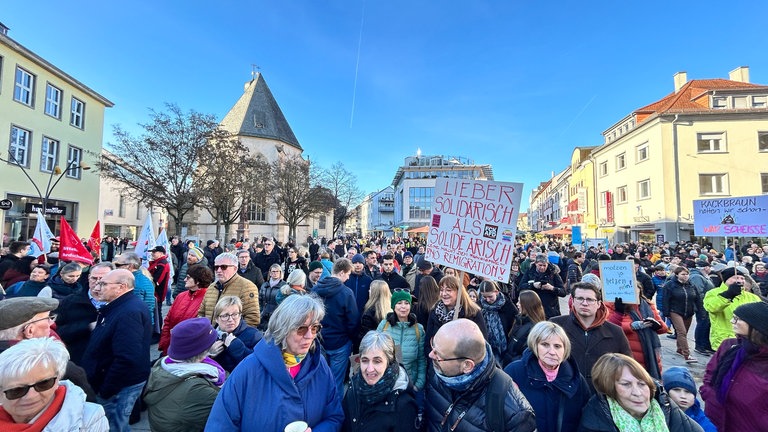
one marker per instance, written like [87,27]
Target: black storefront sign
[51,210]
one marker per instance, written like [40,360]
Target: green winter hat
[397,296]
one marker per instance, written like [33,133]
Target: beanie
[755,314]
[407,254]
[678,377]
[196,252]
[397,296]
[731,271]
[358,258]
[314,265]
[191,337]
[592,279]
[424,264]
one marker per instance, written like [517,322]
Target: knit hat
[408,254]
[718,267]
[755,314]
[197,253]
[731,271]
[397,296]
[702,263]
[592,279]
[358,258]
[18,310]
[314,265]
[191,337]
[678,377]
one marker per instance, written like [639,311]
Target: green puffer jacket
[721,311]
[409,337]
[178,403]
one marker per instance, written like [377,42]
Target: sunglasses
[20,392]
[301,331]
[222,267]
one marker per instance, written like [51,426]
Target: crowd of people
[367,335]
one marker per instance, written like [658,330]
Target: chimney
[680,79]
[740,74]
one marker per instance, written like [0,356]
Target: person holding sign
[681,302]
[544,279]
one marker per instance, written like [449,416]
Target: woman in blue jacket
[284,380]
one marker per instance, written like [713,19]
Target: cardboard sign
[734,216]
[619,281]
[474,225]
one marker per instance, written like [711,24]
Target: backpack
[494,404]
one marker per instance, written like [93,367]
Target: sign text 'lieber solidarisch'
[473,226]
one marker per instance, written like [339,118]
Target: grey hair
[545,330]
[70,268]
[131,259]
[13,333]
[103,264]
[278,267]
[291,314]
[226,256]
[226,302]
[381,341]
[297,277]
[20,359]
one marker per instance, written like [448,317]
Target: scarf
[207,368]
[370,395]
[274,282]
[461,383]
[728,366]
[649,340]
[40,421]
[292,360]
[653,421]
[497,338]
[443,314]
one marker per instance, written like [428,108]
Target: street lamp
[71,166]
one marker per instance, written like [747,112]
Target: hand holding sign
[619,281]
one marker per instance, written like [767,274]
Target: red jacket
[184,307]
[625,321]
[161,273]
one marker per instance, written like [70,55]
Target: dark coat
[118,352]
[683,300]
[62,289]
[396,413]
[342,318]
[567,394]
[252,273]
[649,289]
[264,261]
[240,348]
[76,313]
[549,299]
[394,280]
[268,302]
[434,324]
[597,416]
[360,284]
[518,340]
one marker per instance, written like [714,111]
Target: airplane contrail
[357,67]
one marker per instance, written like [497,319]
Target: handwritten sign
[474,225]
[619,281]
[734,216]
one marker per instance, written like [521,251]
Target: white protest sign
[473,226]
[619,281]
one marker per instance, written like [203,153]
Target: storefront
[21,220]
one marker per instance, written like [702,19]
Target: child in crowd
[682,390]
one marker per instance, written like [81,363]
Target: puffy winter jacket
[236,286]
[597,416]
[396,413]
[342,318]
[268,301]
[409,337]
[184,307]
[682,299]
[721,311]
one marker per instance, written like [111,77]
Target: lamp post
[72,165]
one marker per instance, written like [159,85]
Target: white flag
[162,240]
[41,240]
[146,241]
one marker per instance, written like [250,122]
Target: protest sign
[619,281]
[473,226]
[733,216]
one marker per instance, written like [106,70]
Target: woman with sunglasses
[236,338]
[268,293]
[33,395]
[186,305]
[291,378]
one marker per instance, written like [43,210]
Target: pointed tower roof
[257,114]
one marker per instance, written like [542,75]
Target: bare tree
[342,185]
[159,167]
[294,193]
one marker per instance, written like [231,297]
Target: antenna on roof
[254,68]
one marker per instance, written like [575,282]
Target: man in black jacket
[543,278]
[247,269]
[267,257]
[390,276]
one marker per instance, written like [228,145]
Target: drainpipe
[677,178]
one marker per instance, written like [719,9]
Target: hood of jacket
[328,286]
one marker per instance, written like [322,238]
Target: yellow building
[51,121]
[581,207]
[708,139]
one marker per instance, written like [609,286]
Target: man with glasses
[590,333]
[247,269]
[390,276]
[117,357]
[30,318]
[464,372]
[228,282]
[267,257]
[144,288]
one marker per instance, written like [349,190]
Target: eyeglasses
[274,271]
[588,301]
[437,356]
[101,283]
[227,317]
[118,265]
[222,266]
[302,330]
[735,319]
[51,317]
[20,392]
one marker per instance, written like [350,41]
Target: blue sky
[516,84]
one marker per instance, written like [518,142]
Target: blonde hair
[462,299]
[379,298]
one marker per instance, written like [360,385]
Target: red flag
[94,242]
[71,248]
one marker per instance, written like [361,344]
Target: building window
[121,207]
[24,90]
[621,162]
[762,141]
[52,101]
[18,151]
[764,182]
[74,157]
[740,102]
[420,202]
[49,154]
[78,113]
[759,101]
[621,195]
[710,142]
[257,213]
[603,169]
[138,210]
[713,184]
[603,199]
[644,189]
[642,152]
[321,222]
[720,102]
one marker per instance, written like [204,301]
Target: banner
[146,241]
[72,248]
[94,241]
[474,225]
[41,239]
[162,240]
[735,216]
